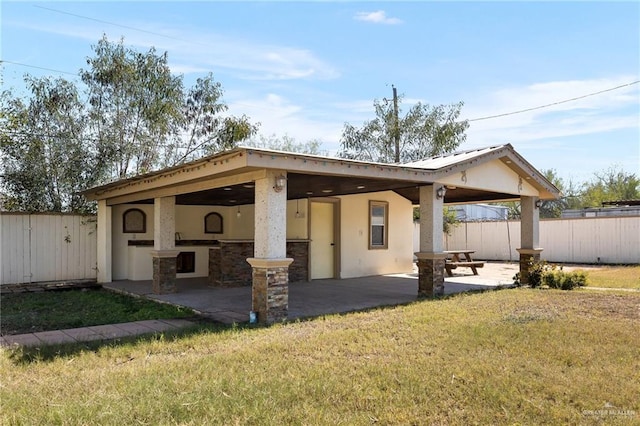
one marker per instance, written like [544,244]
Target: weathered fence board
[610,240]
[46,247]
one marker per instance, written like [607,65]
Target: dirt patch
[609,305]
[550,305]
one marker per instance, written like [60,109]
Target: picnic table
[456,261]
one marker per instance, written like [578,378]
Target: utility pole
[396,125]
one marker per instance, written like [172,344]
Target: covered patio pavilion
[322,297]
[267,182]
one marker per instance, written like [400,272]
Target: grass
[614,277]
[520,356]
[55,310]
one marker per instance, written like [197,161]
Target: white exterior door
[322,247]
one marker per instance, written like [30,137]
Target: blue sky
[306,68]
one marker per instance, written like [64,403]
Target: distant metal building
[608,209]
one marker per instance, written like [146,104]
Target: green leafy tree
[286,143]
[554,208]
[424,131]
[202,129]
[612,184]
[46,159]
[134,100]
[135,117]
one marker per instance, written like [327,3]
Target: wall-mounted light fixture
[281,181]
[238,214]
[440,192]
[538,203]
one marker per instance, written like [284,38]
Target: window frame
[126,227]
[210,230]
[385,226]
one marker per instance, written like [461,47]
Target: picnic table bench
[455,261]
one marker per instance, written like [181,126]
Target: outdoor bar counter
[192,261]
[228,266]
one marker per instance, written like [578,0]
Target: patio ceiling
[300,186]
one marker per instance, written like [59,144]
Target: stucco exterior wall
[357,260]
[493,175]
[135,263]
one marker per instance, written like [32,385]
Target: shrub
[537,271]
[542,273]
[565,280]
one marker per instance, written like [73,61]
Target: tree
[134,100]
[46,159]
[425,131]
[553,208]
[136,117]
[286,143]
[612,184]
[202,130]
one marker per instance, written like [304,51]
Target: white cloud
[278,115]
[608,111]
[377,17]
[194,52]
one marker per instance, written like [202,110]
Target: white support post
[164,253]
[529,235]
[431,258]
[270,284]
[103,255]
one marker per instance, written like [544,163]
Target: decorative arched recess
[134,221]
[213,223]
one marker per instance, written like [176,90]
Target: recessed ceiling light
[248,185]
[227,189]
[309,192]
[232,201]
[327,191]
[360,186]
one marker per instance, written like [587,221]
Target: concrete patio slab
[318,297]
[306,299]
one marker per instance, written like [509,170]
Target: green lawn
[55,310]
[614,277]
[519,356]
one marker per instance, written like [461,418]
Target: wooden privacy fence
[62,247]
[46,247]
[609,240]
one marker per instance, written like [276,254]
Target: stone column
[431,257]
[270,289]
[529,236]
[103,233]
[164,253]
[270,285]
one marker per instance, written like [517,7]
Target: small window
[134,221]
[213,223]
[378,224]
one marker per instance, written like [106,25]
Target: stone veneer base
[270,289]
[527,257]
[228,265]
[431,276]
[164,275]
